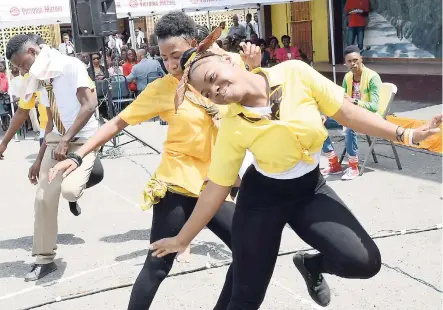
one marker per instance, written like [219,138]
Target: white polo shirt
[74,76]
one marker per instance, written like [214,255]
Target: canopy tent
[44,12]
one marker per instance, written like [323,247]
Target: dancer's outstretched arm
[103,135]
[365,122]
[207,206]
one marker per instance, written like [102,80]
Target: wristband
[411,138]
[75,158]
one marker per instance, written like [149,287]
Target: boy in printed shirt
[363,85]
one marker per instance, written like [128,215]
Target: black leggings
[318,216]
[170,214]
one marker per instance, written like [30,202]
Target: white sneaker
[350,174]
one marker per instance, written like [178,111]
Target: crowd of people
[249,31]
[233,123]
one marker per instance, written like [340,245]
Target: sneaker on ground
[332,169]
[350,174]
[39,271]
[317,286]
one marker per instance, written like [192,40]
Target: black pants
[315,212]
[170,214]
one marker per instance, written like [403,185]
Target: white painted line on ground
[298,297]
[121,196]
[29,289]
[82,273]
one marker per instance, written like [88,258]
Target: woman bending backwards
[275,114]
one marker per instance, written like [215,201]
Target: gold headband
[202,51]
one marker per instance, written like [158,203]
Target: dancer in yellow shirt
[275,114]
[181,175]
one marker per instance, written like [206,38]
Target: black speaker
[92,20]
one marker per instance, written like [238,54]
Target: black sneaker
[39,271]
[317,287]
[75,208]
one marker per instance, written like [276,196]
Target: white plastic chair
[387,95]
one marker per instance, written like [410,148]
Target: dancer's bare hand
[66,167]
[61,150]
[251,55]
[427,130]
[2,150]
[167,246]
[34,172]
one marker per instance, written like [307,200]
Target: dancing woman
[181,175]
[275,113]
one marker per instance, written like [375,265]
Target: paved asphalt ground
[105,247]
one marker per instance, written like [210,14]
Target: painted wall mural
[394,28]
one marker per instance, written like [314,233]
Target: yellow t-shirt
[190,138]
[277,144]
[43,119]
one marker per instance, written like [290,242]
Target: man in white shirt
[66,47]
[256,26]
[115,42]
[237,31]
[14,91]
[142,34]
[248,26]
[70,103]
[16,82]
[139,39]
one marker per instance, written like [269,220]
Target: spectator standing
[237,31]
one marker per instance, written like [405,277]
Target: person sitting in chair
[141,72]
[363,85]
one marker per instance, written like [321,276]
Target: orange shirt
[357,19]
[127,68]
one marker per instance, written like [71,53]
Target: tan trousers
[48,195]
[34,120]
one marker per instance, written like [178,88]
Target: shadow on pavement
[217,251]
[25,243]
[140,234]
[131,255]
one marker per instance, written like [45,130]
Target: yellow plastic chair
[387,94]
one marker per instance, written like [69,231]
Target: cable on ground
[377,235]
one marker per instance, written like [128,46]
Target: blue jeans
[350,139]
[354,32]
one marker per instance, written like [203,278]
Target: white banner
[15,13]
[36,12]
[146,7]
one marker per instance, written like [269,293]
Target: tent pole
[331,31]
[7,75]
[132,32]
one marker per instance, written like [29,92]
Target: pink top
[3,83]
[282,54]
